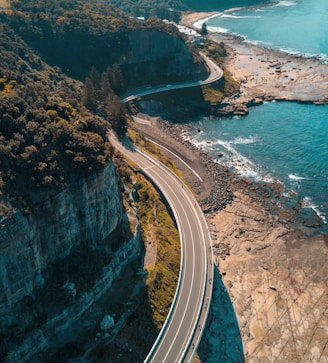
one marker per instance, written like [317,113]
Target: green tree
[114,77]
[115,113]
[89,97]
[105,86]
[94,77]
[203,30]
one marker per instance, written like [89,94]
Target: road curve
[183,327]
[215,74]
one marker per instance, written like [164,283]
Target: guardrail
[168,318]
[210,79]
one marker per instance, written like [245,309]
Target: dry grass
[157,227]
[4,6]
[153,150]
[163,274]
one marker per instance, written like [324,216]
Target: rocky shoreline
[266,264]
[270,290]
[265,74]
[268,270]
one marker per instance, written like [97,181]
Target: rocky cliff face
[87,211]
[81,315]
[155,57]
[58,264]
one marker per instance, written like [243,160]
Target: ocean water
[298,26]
[286,142]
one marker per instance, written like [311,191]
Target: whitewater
[285,142]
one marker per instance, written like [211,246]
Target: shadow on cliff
[221,341]
[70,317]
[179,105]
[127,302]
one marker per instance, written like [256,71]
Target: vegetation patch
[154,150]
[157,226]
[163,275]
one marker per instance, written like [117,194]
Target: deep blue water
[283,141]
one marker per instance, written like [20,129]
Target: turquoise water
[294,26]
[278,141]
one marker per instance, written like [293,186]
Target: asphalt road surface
[183,328]
[215,74]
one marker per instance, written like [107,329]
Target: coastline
[275,276]
[190,19]
[270,289]
[266,74]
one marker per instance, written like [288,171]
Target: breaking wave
[240,16]
[232,158]
[286,3]
[245,141]
[308,203]
[295,177]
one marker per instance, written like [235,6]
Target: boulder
[106,323]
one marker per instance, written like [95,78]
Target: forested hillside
[76,35]
[53,126]
[64,216]
[171,9]
[46,134]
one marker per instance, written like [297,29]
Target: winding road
[215,73]
[184,325]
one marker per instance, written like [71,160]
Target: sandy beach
[270,298]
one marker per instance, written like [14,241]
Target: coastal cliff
[60,260]
[70,254]
[88,210]
[148,51]
[172,61]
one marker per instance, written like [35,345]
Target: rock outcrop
[80,314]
[58,263]
[87,211]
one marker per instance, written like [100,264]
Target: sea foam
[198,24]
[240,16]
[295,177]
[241,164]
[308,203]
[245,141]
[286,3]
[217,29]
